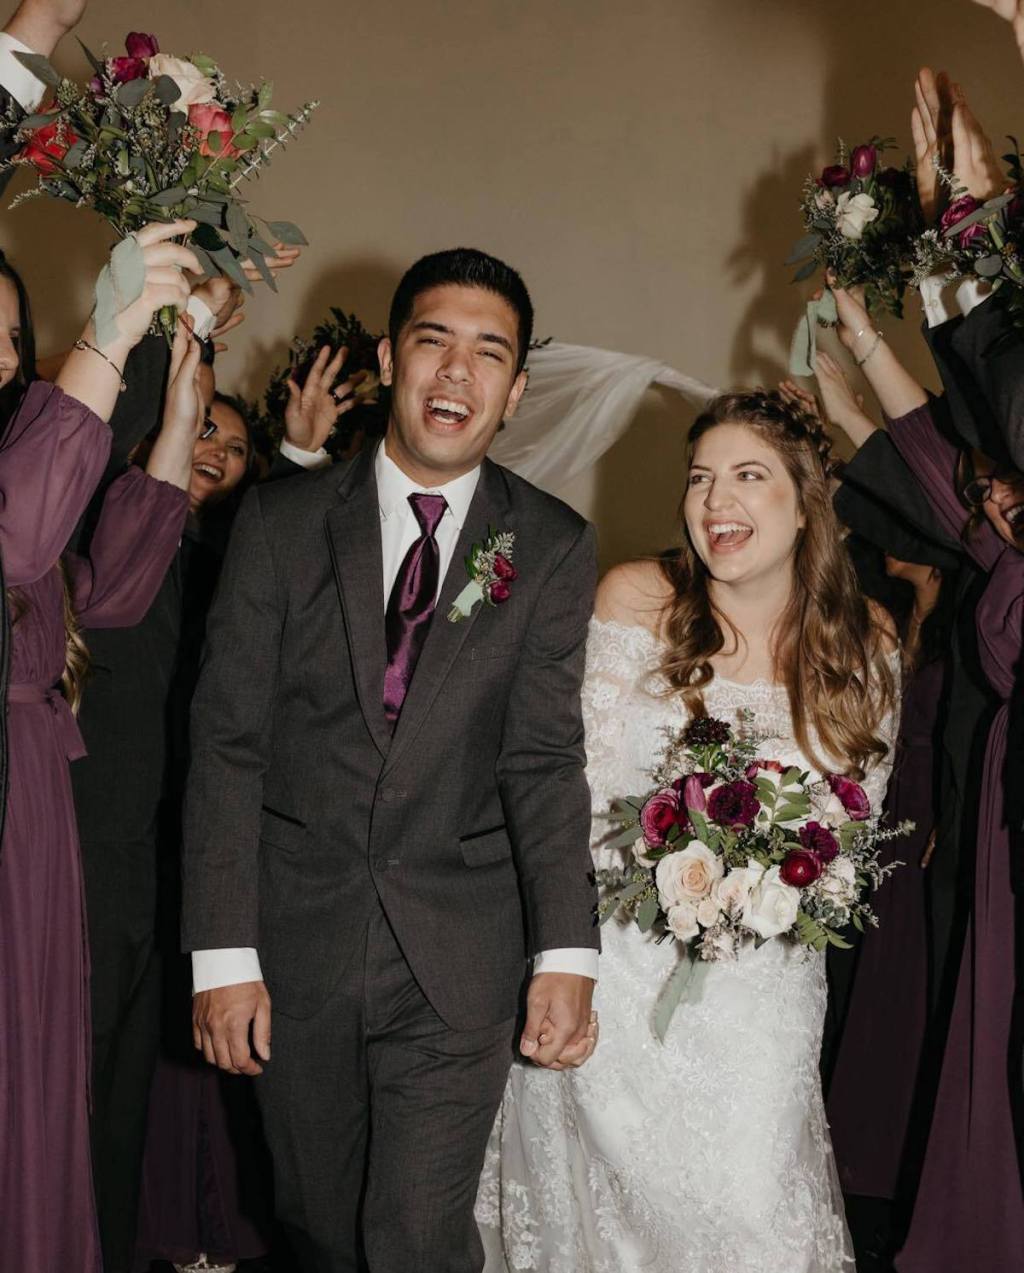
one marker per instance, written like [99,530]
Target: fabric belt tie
[69,734]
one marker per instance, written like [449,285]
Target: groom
[387,813]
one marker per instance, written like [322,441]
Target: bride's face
[741,508]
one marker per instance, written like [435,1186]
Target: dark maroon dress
[969,1212]
[50,461]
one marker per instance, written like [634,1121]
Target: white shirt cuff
[231,966]
[937,309]
[203,317]
[971,293]
[306,459]
[19,81]
[580,960]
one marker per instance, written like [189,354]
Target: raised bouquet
[860,218]
[978,240]
[151,137]
[733,848]
[338,330]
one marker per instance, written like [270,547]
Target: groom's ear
[515,393]
[385,357]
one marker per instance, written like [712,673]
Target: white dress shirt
[19,81]
[399,530]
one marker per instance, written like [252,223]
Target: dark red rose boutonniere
[491,575]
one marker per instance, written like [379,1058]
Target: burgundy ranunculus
[734,804]
[851,796]
[891,177]
[658,816]
[504,569]
[800,868]
[499,591]
[123,69]
[694,786]
[863,161]
[834,176]
[956,212]
[819,840]
[138,44]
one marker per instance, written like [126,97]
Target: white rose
[688,875]
[839,881]
[853,213]
[824,199]
[193,85]
[682,921]
[640,853]
[827,807]
[708,911]
[772,905]
[732,891]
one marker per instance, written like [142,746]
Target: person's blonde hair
[76,652]
[828,649]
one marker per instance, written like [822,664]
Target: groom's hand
[557,1017]
[221,1020]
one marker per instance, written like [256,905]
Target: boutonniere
[491,575]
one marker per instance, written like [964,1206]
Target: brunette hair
[11,394]
[828,647]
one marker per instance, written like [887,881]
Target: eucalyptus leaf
[40,68]
[168,198]
[229,266]
[31,122]
[208,213]
[835,940]
[625,839]
[207,238]
[647,914]
[132,93]
[261,130]
[238,228]
[266,273]
[166,90]
[265,94]
[73,158]
[805,271]
[92,59]
[803,247]
[203,62]
[286,232]
[276,118]
[206,262]
[989,266]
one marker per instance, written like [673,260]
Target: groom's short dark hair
[463,267]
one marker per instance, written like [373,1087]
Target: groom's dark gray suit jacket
[470,823]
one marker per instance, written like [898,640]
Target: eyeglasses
[979,489]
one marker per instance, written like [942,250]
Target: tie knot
[429,510]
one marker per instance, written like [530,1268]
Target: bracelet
[84,344]
[877,341]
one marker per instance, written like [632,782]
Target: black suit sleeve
[8,146]
[230,740]
[967,411]
[541,765]
[991,348]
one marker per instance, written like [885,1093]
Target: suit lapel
[354,539]
[489,510]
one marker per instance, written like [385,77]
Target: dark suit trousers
[378,1115]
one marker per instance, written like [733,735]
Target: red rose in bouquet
[211,120]
[48,145]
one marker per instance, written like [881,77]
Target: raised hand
[166,284]
[931,129]
[975,165]
[313,410]
[558,1018]
[170,460]
[283,259]
[221,1021]
[799,397]
[41,24]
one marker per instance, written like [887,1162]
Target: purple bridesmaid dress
[51,458]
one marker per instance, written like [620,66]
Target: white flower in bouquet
[688,875]
[854,212]
[641,855]
[827,807]
[719,943]
[732,891]
[682,921]
[839,881]
[772,906]
[708,911]
[194,86]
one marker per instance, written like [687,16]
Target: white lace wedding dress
[708,1153]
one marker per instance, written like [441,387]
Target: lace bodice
[627,718]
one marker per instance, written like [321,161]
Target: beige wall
[640,163]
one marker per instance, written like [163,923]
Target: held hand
[855,325]
[165,281]
[221,1020]
[183,403]
[224,300]
[557,1017]
[313,410]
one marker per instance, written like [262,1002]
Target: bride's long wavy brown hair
[828,649]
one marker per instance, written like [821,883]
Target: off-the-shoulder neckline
[655,640]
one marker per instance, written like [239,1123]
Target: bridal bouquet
[339,329]
[152,137]
[860,217]
[731,846]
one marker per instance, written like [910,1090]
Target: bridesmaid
[51,458]
[969,1210]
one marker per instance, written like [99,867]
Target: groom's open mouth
[725,536]
[449,413]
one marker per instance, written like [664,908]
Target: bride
[708,1153]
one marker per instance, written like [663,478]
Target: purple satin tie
[411,604]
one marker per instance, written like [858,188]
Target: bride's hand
[580,1053]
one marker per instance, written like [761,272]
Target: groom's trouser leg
[314,1100]
[434,1094]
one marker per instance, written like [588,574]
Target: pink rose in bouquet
[211,120]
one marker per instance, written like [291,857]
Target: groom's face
[453,377]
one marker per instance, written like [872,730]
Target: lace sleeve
[622,718]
